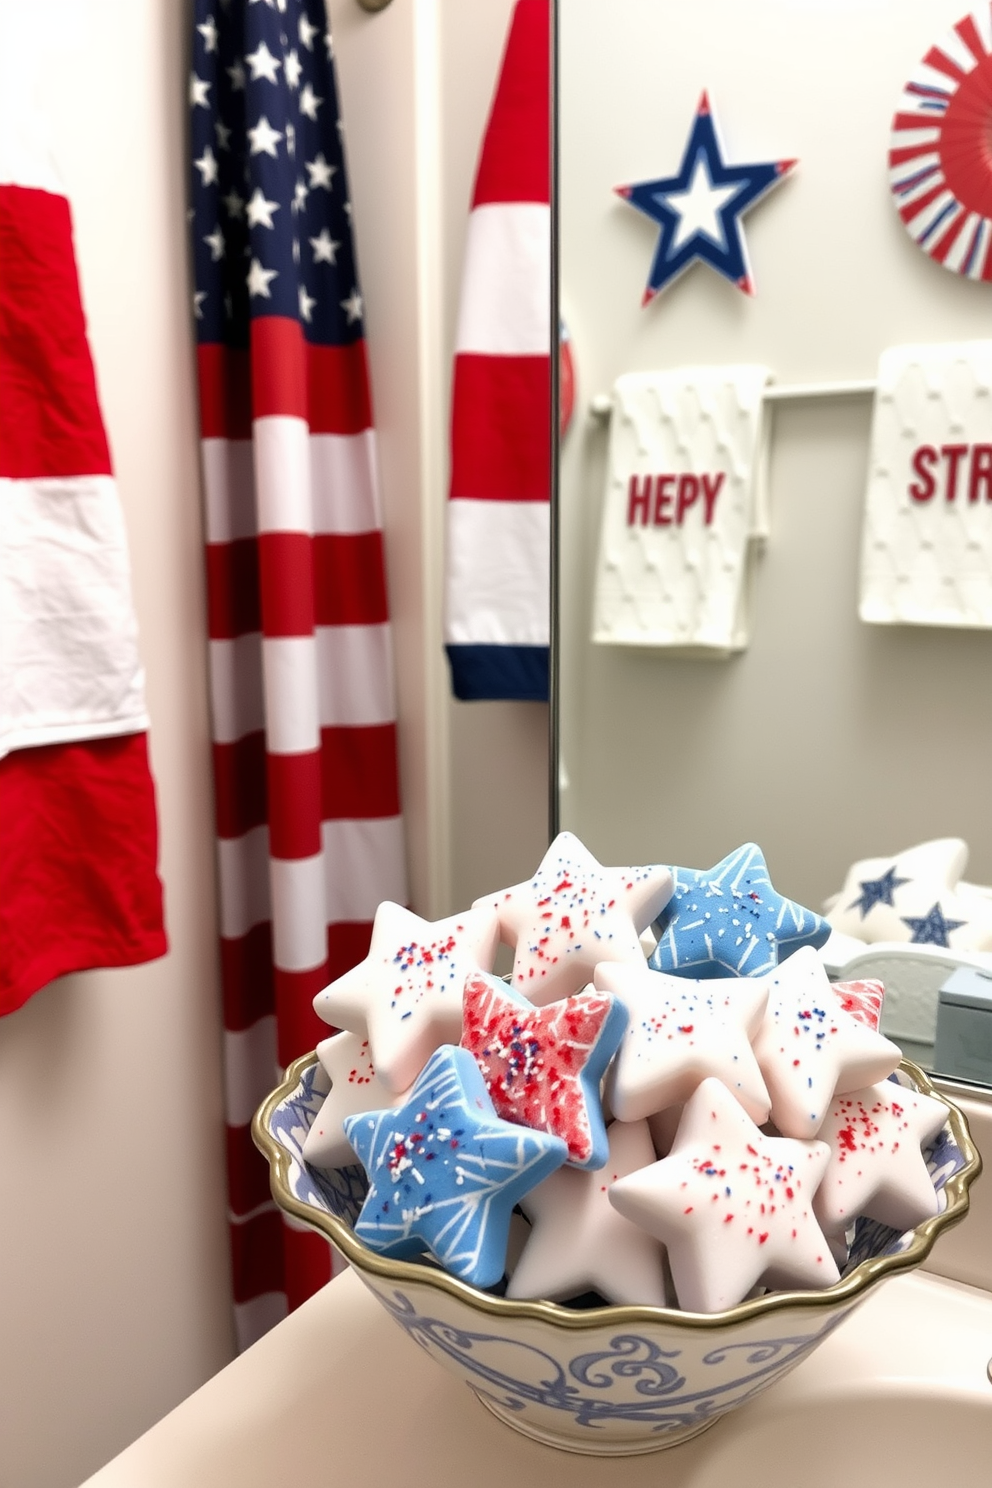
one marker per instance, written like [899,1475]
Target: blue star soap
[445,1171]
[729,920]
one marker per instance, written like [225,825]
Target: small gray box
[964,1026]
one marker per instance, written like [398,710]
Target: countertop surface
[338,1394]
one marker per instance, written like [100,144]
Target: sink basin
[899,1394]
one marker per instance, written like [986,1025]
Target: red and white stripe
[498,517]
[78,879]
[938,152]
[310,836]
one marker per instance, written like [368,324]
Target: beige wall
[113,1247]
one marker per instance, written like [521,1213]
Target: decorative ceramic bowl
[609,1380]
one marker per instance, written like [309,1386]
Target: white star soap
[876,1163]
[733,1207]
[580,1243]
[573,914]
[915,896]
[354,1088]
[808,1048]
[679,1032]
[406,996]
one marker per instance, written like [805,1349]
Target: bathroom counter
[338,1395]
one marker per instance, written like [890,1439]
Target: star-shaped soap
[573,914]
[679,1033]
[809,1048]
[733,1206]
[543,1066]
[445,1171]
[699,210]
[729,921]
[916,896]
[863,1000]
[406,996]
[580,1243]
[355,1087]
[876,1163]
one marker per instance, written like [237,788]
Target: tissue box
[964,1026]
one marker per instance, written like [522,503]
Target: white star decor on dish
[574,914]
[916,896]
[580,1243]
[876,1162]
[679,1032]
[733,1206]
[406,996]
[355,1087]
[809,1048]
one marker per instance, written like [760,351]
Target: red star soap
[574,914]
[732,1206]
[543,1066]
[876,1162]
[863,1000]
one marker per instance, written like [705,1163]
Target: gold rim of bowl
[849,1289]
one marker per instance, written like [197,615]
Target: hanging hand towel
[926,555]
[684,499]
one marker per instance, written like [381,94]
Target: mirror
[825,739]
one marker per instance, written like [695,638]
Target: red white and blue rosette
[940,150]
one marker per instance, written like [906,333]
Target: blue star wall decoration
[699,210]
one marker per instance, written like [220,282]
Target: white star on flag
[293,68]
[259,280]
[300,195]
[307,33]
[324,247]
[237,76]
[209,33]
[291,139]
[263,64]
[259,211]
[198,90]
[352,306]
[208,167]
[223,135]
[264,138]
[215,242]
[306,302]
[320,172]
[198,299]
[309,102]
[234,203]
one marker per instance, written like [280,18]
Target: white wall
[828,740]
[114,1297]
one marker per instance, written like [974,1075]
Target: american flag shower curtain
[309,832]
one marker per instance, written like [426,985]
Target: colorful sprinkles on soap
[573,914]
[808,1047]
[728,920]
[732,1205]
[680,1032]
[877,1167]
[445,1171]
[543,1066]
